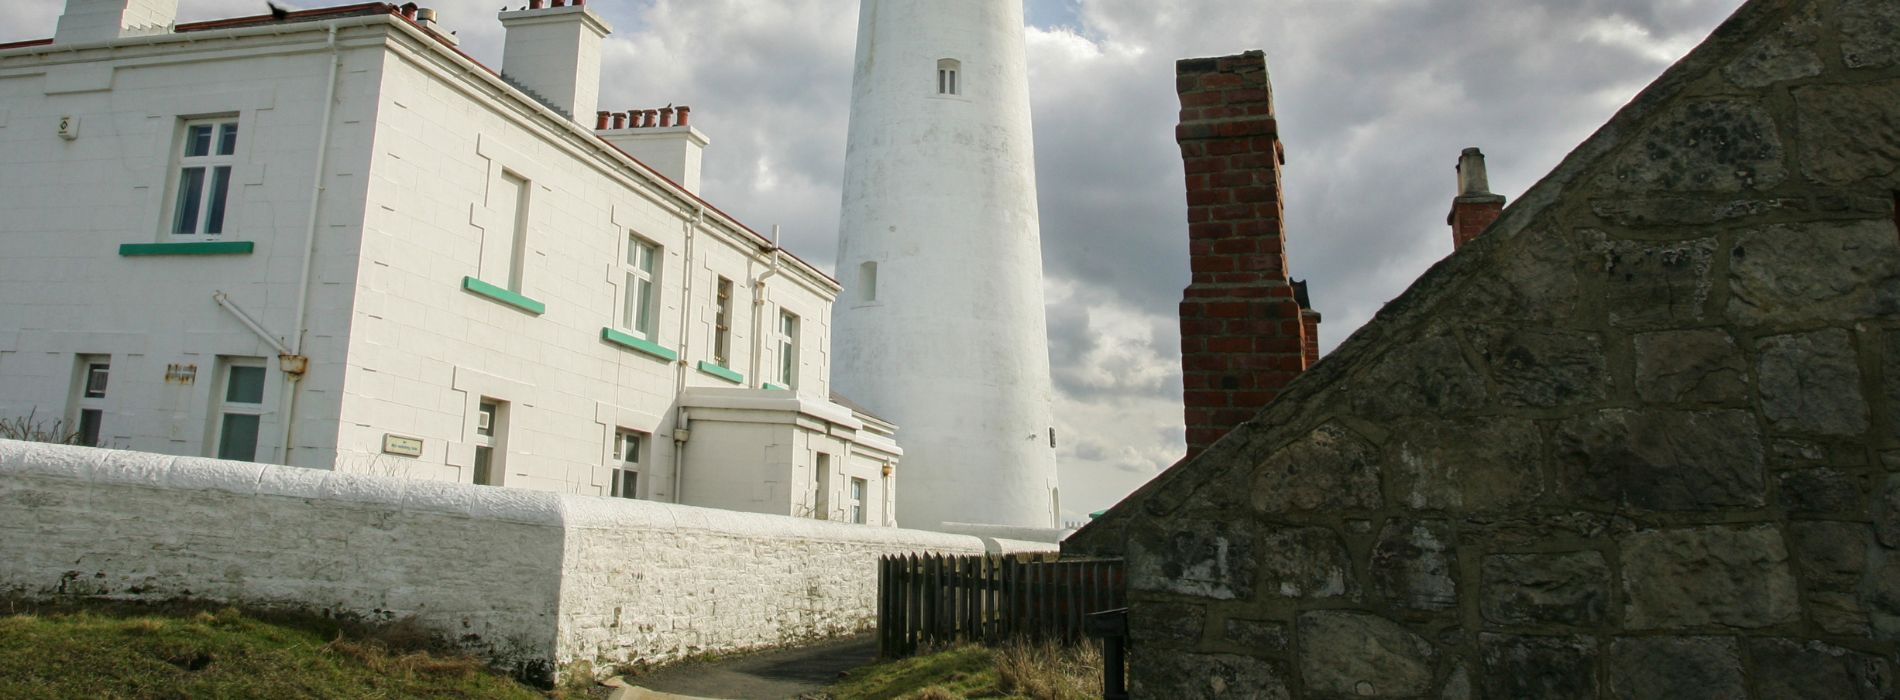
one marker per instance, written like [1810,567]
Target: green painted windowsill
[721,372]
[504,296]
[777,387]
[135,250]
[637,345]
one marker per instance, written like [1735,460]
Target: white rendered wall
[940,194]
[65,289]
[425,351]
[536,578]
[396,346]
[481,562]
[767,461]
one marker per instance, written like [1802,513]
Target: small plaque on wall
[399,445]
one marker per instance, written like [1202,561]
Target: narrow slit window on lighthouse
[947,70]
[867,281]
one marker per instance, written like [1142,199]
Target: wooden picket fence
[932,598]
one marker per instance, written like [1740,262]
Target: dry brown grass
[1050,671]
[1015,671]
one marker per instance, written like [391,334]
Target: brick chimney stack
[1244,331]
[1475,207]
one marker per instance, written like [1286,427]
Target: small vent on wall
[867,282]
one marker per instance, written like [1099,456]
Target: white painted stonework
[940,326]
[369,224]
[529,578]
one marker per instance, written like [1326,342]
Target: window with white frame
[201,190]
[857,500]
[821,487]
[722,325]
[642,269]
[89,402]
[788,349]
[947,70]
[240,408]
[629,454]
[504,245]
[491,438]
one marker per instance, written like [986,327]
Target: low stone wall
[530,579]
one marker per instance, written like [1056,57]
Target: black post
[1112,627]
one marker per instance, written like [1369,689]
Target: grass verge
[1017,671]
[110,650]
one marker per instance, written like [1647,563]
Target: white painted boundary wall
[531,579]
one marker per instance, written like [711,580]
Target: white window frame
[821,486]
[859,489]
[490,435]
[722,322]
[948,72]
[212,163]
[88,400]
[223,406]
[788,331]
[637,300]
[629,462]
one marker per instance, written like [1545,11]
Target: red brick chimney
[1475,207]
[1244,332]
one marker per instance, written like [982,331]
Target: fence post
[883,608]
[1111,626]
[914,625]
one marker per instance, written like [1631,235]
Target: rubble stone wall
[1640,440]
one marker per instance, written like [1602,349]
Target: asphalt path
[768,675]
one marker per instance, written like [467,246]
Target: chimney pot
[650,115]
[600,120]
[620,120]
[1472,178]
[683,110]
[666,116]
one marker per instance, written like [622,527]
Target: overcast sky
[1375,99]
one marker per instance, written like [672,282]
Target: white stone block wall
[482,565]
[537,578]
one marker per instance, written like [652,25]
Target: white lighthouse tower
[940,326]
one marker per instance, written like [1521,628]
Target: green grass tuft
[109,650]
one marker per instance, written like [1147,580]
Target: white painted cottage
[330,239]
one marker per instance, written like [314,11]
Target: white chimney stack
[554,52]
[661,138]
[105,20]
